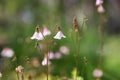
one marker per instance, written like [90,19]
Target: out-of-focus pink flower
[46,31]
[59,34]
[51,55]
[7,52]
[64,50]
[97,73]
[98,2]
[58,55]
[44,61]
[37,35]
[19,69]
[100,9]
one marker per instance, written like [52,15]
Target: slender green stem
[18,76]
[101,34]
[47,66]
[84,65]
[101,37]
[77,47]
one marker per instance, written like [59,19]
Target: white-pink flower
[98,2]
[7,52]
[59,34]
[97,73]
[45,61]
[46,31]
[19,69]
[37,35]
[58,55]
[64,50]
[100,9]
[51,55]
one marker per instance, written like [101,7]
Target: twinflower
[98,73]
[37,35]
[7,52]
[100,9]
[19,69]
[98,2]
[59,34]
[45,61]
[46,31]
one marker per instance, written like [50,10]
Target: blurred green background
[18,19]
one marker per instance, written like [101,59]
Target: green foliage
[18,19]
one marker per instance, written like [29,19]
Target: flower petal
[38,36]
[59,35]
[46,31]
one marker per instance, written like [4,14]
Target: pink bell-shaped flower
[37,35]
[59,34]
[45,61]
[46,31]
[100,9]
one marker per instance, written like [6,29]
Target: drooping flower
[37,35]
[100,9]
[19,69]
[46,31]
[7,52]
[59,34]
[45,61]
[97,73]
[98,2]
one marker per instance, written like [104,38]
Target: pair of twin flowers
[40,35]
